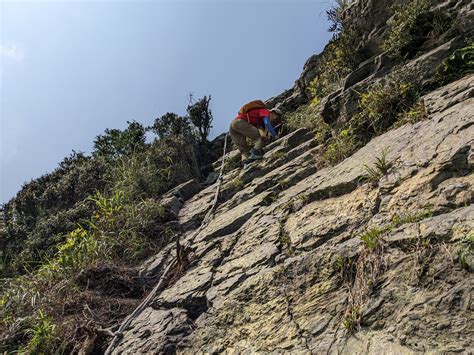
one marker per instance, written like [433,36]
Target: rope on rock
[118,335]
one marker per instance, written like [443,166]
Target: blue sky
[70,69]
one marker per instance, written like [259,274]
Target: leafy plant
[47,208]
[379,168]
[170,124]
[402,36]
[335,15]
[339,147]
[308,117]
[166,163]
[342,54]
[381,105]
[372,237]
[351,319]
[338,59]
[115,143]
[416,114]
[457,65]
[404,218]
[440,24]
[237,183]
[466,252]
[43,335]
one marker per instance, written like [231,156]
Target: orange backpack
[252,105]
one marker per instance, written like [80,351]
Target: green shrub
[412,25]
[416,114]
[457,65]
[372,237]
[402,27]
[117,233]
[340,56]
[170,124]
[201,116]
[351,319]
[308,117]
[336,15]
[43,336]
[47,208]
[385,102]
[339,147]
[381,106]
[466,252]
[337,60]
[115,143]
[165,163]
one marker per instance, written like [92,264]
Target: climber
[254,121]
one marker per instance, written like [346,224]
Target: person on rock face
[253,121]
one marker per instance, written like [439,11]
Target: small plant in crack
[404,218]
[303,198]
[283,183]
[270,198]
[284,237]
[277,155]
[237,183]
[424,250]
[380,167]
[466,252]
[286,243]
[372,237]
[343,265]
[351,319]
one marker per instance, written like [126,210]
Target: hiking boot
[255,155]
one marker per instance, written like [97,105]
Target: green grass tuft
[379,168]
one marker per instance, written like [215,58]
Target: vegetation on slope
[391,101]
[99,216]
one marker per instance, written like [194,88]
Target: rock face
[281,266]
[302,260]
[368,19]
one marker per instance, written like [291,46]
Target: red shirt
[255,117]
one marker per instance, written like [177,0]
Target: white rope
[119,333]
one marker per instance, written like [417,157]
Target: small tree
[115,143]
[171,124]
[201,116]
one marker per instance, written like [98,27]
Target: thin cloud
[12,51]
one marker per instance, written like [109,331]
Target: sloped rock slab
[298,306]
[155,332]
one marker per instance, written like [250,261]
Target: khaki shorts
[239,131]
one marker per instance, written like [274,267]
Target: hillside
[354,234]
